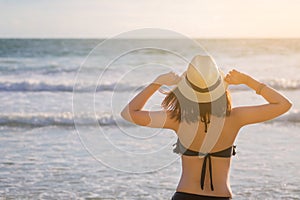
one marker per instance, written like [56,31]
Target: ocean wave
[31,86]
[59,119]
[292,116]
[41,86]
[48,69]
[66,119]
[284,84]
[279,84]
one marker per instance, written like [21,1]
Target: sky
[108,18]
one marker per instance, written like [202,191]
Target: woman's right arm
[276,106]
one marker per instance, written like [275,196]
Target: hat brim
[203,97]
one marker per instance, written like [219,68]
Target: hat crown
[204,81]
[203,71]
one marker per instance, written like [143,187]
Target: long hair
[183,109]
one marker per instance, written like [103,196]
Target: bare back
[192,165]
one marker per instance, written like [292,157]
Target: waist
[191,178]
[219,191]
[184,195]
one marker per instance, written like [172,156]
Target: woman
[199,110]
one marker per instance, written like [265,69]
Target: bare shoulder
[171,122]
[235,113]
[239,114]
[232,121]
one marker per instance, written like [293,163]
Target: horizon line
[104,38]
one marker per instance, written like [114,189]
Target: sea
[62,137]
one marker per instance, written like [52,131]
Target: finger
[228,78]
[176,75]
[183,74]
[234,71]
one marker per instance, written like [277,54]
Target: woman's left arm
[157,119]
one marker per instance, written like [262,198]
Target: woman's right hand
[167,79]
[235,77]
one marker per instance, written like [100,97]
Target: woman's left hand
[168,79]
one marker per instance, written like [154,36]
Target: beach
[56,145]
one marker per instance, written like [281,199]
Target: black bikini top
[226,153]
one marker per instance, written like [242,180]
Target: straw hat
[203,81]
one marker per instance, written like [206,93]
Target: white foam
[40,86]
[85,119]
[57,119]
[292,116]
